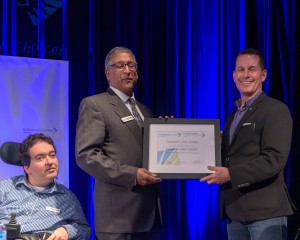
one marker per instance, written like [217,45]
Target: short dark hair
[113,52]
[28,143]
[252,51]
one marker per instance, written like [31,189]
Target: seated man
[41,203]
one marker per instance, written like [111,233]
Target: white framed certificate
[177,148]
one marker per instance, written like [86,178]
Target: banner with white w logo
[34,99]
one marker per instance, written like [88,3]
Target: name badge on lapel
[127,119]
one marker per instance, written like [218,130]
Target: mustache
[51,167]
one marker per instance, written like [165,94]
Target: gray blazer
[110,149]
[256,159]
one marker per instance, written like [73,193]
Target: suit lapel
[122,111]
[145,113]
[227,130]
[246,116]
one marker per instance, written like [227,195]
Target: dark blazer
[110,148]
[256,159]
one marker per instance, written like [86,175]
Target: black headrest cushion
[10,153]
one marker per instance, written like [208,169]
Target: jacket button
[227,159]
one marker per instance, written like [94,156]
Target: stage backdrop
[186,52]
[34,99]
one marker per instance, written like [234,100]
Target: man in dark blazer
[255,148]
[109,144]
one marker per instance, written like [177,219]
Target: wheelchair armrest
[35,236]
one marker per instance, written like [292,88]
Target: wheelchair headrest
[10,153]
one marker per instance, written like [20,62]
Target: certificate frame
[179,148]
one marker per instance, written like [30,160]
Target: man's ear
[107,73]
[264,75]
[26,169]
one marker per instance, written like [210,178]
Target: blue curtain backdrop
[186,51]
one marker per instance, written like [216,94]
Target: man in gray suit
[255,148]
[109,144]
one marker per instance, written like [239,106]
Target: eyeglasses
[121,66]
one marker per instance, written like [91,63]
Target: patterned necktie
[135,112]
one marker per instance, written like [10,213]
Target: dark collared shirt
[240,112]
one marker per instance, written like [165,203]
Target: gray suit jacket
[256,159]
[110,149]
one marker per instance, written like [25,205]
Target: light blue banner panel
[34,99]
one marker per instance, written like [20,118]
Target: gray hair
[113,52]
